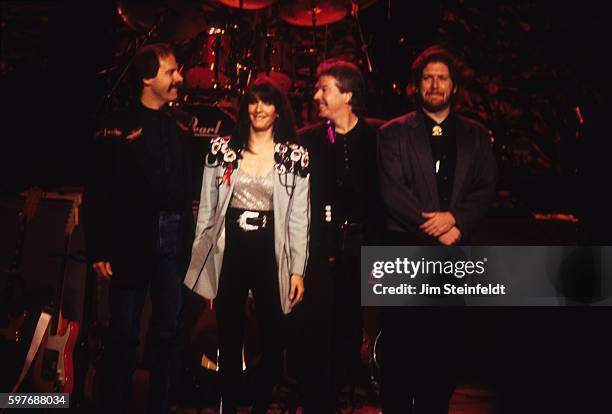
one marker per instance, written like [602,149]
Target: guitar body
[53,369]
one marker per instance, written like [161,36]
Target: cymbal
[248,4]
[300,12]
[176,21]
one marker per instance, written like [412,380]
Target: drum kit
[226,44]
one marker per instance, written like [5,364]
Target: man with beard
[437,178]
[346,213]
[139,227]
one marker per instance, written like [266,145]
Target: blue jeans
[120,354]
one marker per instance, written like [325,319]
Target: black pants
[248,263]
[421,353]
[331,323]
[348,319]
[313,335]
[421,350]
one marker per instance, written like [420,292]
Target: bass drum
[210,121]
[211,65]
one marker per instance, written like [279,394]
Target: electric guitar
[53,369]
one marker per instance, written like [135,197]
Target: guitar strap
[41,328]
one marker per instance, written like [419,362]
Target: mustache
[175,85]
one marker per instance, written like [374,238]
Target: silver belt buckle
[250,227]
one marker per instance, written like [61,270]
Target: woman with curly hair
[252,234]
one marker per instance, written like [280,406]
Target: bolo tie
[436,131]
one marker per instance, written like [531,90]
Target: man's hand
[450,237]
[103,269]
[438,223]
[296,291]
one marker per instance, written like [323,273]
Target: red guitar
[53,369]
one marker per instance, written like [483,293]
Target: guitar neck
[56,320]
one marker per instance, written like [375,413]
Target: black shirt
[133,175]
[348,187]
[165,159]
[353,157]
[444,156]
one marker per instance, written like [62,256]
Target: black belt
[249,220]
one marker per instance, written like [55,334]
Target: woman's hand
[296,291]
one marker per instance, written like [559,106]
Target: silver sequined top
[253,193]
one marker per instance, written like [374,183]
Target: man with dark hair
[436,168]
[437,178]
[139,227]
[146,64]
[345,215]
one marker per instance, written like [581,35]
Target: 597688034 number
[34,400]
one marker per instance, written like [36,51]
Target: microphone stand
[364,45]
[137,45]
